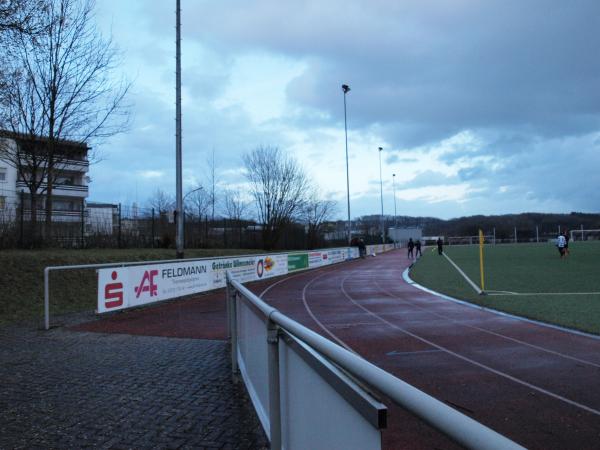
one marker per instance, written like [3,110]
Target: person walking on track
[411,246]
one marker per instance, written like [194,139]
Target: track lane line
[305,302]
[493,333]
[467,359]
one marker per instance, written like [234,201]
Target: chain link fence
[117,226]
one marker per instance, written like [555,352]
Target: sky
[480,107]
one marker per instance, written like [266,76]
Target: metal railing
[455,425]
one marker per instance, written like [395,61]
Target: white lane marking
[473,285]
[566,330]
[305,303]
[323,327]
[415,352]
[547,350]
[469,360]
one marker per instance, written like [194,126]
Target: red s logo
[113,293]
[147,284]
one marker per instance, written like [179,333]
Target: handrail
[455,425]
[134,263]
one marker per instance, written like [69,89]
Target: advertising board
[126,287]
[297,261]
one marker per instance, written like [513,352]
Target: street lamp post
[395,212]
[346,89]
[381,192]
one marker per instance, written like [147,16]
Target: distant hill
[504,225]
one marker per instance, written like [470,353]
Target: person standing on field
[561,241]
[418,248]
[567,237]
[440,246]
[411,246]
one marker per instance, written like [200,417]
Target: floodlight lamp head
[345,88]
[380,148]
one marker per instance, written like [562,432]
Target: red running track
[535,384]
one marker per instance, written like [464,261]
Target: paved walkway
[69,389]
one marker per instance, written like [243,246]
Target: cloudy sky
[481,107]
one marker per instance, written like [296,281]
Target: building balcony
[57,215]
[63,190]
[72,165]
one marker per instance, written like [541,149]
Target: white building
[101,218]
[70,188]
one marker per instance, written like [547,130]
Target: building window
[2,174]
[2,202]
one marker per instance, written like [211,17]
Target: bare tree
[61,89]
[212,179]
[161,202]
[234,205]
[20,15]
[197,201]
[315,213]
[278,185]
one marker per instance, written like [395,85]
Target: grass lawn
[22,278]
[559,285]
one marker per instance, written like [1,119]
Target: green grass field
[22,278]
[563,292]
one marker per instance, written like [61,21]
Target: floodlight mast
[381,193]
[178,169]
[346,89]
[395,211]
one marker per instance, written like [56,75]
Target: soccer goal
[470,240]
[585,235]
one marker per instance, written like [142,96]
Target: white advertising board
[125,287]
[317,259]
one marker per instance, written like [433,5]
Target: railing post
[232,325]
[274,394]
[47,298]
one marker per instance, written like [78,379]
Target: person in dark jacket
[411,246]
[418,248]
[440,245]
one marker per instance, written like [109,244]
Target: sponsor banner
[317,259]
[297,261]
[124,287]
[336,255]
[242,269]
[271,266]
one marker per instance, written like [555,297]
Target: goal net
[585,235]
[469,240]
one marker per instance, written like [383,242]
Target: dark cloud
[442,65]
[521,78]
